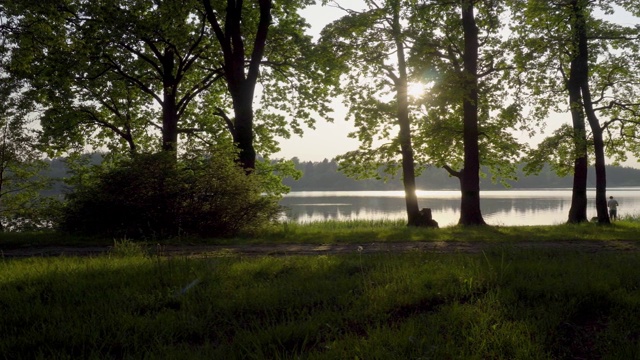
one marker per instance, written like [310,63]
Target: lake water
[502,207]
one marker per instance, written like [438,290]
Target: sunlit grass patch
[331,232]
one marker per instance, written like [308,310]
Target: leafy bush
[155,196]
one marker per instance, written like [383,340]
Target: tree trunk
[169,124]
[578,210]
[408,177]
[580,34]
[243,129]
[169,106]
[404,122]
[470,213]
[601,173]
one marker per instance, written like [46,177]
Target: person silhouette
[612,204]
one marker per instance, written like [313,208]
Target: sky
[330,139]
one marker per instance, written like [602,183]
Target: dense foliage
[152,196]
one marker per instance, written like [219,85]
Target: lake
[501,207]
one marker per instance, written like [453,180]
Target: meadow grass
[363,231]
[359,231]
[505,304]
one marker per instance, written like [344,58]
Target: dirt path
[310,249]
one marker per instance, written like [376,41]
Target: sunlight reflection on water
[500,207]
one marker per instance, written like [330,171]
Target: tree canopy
[123,74]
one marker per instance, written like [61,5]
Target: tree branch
[452,172]
[135,81]
[230,125]
[213,21]
[260,41]
[141,55]
[197,89]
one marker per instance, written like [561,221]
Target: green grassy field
[499,305]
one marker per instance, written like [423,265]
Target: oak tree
[371,48]
[469,113]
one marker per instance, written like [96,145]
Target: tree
[120,73]
[588,54]
[262,42]
[583,32]
[538,62]
[98,68]
[470,213]
[578,73]
[467,110]
[21,179]
[372,47]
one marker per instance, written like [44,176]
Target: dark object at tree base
[425,219]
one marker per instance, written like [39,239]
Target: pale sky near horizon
[330,139]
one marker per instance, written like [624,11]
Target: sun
[417,89]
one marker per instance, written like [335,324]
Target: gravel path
[310,249]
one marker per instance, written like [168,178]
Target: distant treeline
[324,175]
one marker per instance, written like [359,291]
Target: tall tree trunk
[470,213]
[578,210]
[404,122]
[408,169]
[577,72]
[580,31]
[243,128]
[169,124]
[601,173]
[169,107]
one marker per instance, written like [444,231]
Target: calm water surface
[501,207]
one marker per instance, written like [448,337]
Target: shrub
[155,196]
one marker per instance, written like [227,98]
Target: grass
[354,232]
[362,231]
[504,304]
[499,305]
